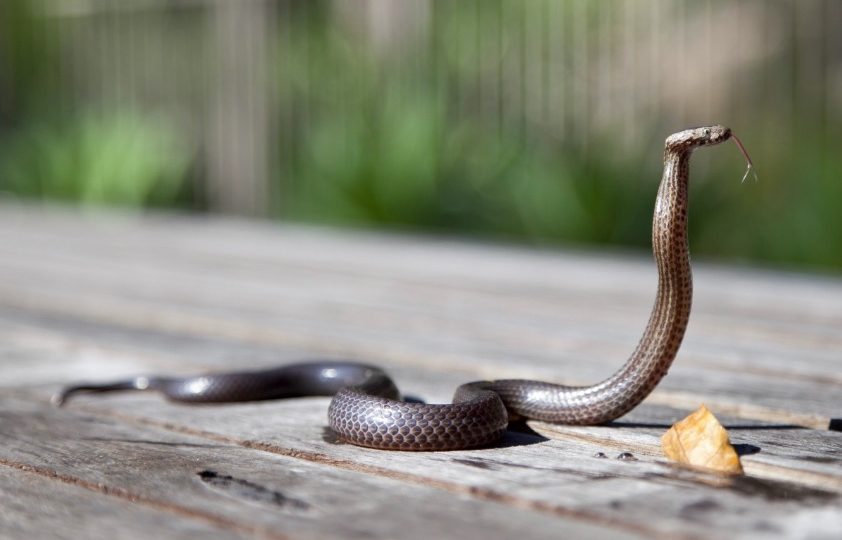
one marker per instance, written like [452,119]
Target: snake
[366,409]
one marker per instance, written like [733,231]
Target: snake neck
[661,339]
[664,332]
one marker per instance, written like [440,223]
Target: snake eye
[707,132]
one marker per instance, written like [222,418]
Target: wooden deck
[103,297]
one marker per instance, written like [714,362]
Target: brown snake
[365,409]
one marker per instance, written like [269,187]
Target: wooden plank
[568,322]
[117,297]
[250,492]
[552,470]
[36,506]
[558,476]
[131,352]
[371,332]
[533,277]
[774,446]
[90,351]
[524,476]
[168,351]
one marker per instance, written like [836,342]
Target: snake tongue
[749,165]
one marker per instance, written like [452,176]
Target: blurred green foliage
[119,159]
[383,147]
[365,141]
[380,149]
[403,165]
[114,155]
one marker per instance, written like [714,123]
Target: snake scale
[366,409]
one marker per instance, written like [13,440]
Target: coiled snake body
[366,411]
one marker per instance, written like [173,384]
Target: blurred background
[535,121]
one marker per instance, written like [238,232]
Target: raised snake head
[699,136]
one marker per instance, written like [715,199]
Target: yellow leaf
[701,441]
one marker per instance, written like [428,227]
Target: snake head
[699,136]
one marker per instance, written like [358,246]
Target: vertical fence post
[237,150]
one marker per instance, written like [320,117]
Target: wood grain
[107,296]
[245,490]
[35,506]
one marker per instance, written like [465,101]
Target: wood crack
[477,492]
[251,491]
[136,498]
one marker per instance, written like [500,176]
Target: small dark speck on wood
[479,464]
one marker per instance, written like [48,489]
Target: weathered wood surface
[100,297]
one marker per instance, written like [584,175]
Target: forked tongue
[749,164]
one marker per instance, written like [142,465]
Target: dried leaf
[701,441]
